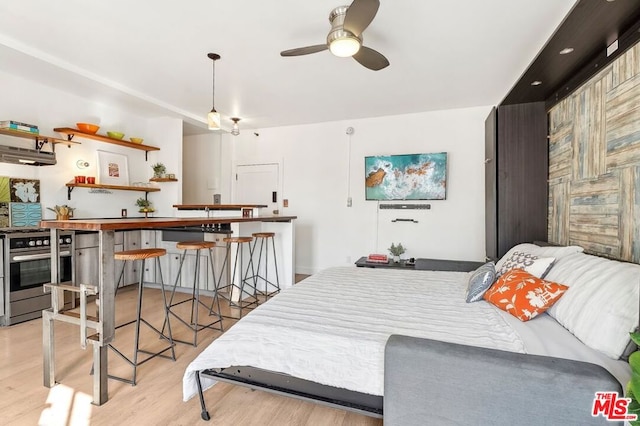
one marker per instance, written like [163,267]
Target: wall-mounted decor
[25,214]
[5,193]
[24,190]
[406,177]
[4,214]
[113,169]
[594,163]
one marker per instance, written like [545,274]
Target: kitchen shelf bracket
[40,143]
[69,189]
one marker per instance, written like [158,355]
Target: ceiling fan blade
[359,15]
[371,59]
[304,50]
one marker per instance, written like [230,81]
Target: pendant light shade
[235,130]
[213,118]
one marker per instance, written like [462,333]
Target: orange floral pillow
[523,295]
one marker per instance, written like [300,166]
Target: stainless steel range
[27,267]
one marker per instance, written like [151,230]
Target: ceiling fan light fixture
[235,130]
[213,118]
[345,47]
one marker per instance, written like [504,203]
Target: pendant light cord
[213,86]
[214,57]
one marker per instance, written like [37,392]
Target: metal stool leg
[138,322]
[216,298]
[268,285]
[242,279]
[195,302]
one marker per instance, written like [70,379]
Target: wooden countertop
[153,222]
[217,206]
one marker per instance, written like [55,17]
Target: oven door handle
[21,258]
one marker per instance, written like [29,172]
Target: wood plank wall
[594,163]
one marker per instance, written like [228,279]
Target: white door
[258,184]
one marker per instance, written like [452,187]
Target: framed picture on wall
[113,169]
[406,177]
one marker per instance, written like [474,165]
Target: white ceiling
[151,55]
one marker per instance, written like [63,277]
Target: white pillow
[527,261]
[547,251]
[601,305]
[526,247]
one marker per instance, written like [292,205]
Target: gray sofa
[429,382]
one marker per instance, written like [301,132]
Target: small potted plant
[144,206]
[396,251]
[159,170]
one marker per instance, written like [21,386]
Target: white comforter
[332,327]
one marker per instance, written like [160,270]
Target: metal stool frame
[263,236]
[241,303]
[193,323]
[138,321]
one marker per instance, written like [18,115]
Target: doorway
[258,184]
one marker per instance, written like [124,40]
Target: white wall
[201,168]
[48,107]
[316,160]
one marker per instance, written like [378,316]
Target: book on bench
[377,258]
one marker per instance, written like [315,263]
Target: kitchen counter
[282,226]
[218,206]
[153,222]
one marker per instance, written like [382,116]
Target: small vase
[62,217]
[396,259]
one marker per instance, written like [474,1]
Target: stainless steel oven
[27,267]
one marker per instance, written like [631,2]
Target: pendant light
[235,130]
[213,118]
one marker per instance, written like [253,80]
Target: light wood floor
[155,400]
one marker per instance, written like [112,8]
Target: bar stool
[264,237]
[243,284]
[193,323]
[143,255]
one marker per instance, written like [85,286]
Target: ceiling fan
[345,37]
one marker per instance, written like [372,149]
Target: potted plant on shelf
[396,251]
[159,170]
[144,206]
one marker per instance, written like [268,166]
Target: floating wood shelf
[146,189]
[71,132]
[163,180]
[39,139]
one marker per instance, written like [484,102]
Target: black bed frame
[285,385]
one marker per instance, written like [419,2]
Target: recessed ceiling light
[566,50]
[536,83]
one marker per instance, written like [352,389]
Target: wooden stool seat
[195,245]
[263,234]
[237,239]
[139,254]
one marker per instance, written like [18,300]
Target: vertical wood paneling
[558,223]
[594,163]
[629,214]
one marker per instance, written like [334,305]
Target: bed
[324,339]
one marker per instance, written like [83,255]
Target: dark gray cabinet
[516,170]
